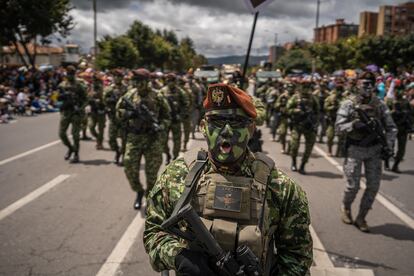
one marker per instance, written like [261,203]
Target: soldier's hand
[190,263]
[358,125]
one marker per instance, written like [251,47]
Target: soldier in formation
[218,184]
[146,115]
[303,109]
[72,94]
[97,115]
[355,119]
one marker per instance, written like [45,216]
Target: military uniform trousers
[282,130]
[322,124]
[175,128]
[187,128]
[65,121]
[402,143]
[371,158]
[97,120]
[84,123]
[114,133]
[330,134]
[139,145]
[310,138]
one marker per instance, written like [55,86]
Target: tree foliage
[156,49]
[393,52]
[117,52]
[23,21]
[297,58]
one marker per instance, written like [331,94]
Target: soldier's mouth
[225,147]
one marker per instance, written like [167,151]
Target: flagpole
[246,61]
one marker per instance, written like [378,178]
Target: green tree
[296,58]
[23,21]
[117,52]
[143,39]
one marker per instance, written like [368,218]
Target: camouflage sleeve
[83,93]
[316,107]
[343,123]
[107,94]
[293,240]
[184,101]
[260,110]
[165,111]
[389,125]
[292,105]
[329,105]
[162,247]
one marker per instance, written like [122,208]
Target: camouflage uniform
[179,103]
[112,95]
[402,114]
[331,106]
[142,138]
[285,227]
[303,109]
[362,150]
[98,113]
[74,98]
[281,108]
[187,114]
[321,94]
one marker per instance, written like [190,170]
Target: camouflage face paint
[227,140]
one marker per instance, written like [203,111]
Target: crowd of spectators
[28,92]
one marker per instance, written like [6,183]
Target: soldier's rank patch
[217,96]
[227,198]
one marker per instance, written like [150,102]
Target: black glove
[191,263]
[358,125]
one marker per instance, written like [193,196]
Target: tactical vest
[139,125]
[231,206]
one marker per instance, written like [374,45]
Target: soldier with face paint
[241,197]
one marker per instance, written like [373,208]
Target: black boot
[346,215]
[85,137]
[293,167]
[68,154]
[302,168]
[386,164]
[360,221]
[168,158]
[117,156]
[138,200]
[75,158]
[395,166]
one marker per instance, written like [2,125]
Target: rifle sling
[190,181]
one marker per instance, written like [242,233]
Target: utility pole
[318,4]
[95,31]
[246,61]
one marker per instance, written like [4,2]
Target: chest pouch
[227,197]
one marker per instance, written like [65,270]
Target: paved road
[63,219]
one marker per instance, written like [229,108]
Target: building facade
[334,32]
[367,23]
[396,20]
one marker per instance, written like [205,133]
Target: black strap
[190,181]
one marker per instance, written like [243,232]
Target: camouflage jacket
[155,102]
[111,96]
[178,101]
[288,219]
[331,105]
[73,96]
[346,117]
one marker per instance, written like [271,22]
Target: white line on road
[380,198]
[32,196]
[320,257]
[114,260]
[5,161]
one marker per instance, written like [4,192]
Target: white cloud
[217,29]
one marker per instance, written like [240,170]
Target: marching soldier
[178,103]
[331,106]
[74,99]
[223,181]
[402,114]
[364,147]
[321,93]
[281,108]
[98,111]
[188,113]
[146,115]
[112,94]
[303,109]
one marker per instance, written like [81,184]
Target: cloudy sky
[217,27]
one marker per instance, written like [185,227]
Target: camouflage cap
[226,99]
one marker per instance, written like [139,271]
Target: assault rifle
[146,116]
[242,262]
[69,101]
[307,118]
[377,130]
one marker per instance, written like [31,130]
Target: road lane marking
[320,257]
[123,246]
[32,196]
[118,254]
[8,160]
[380,198]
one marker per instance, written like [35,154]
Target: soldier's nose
[227,131]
